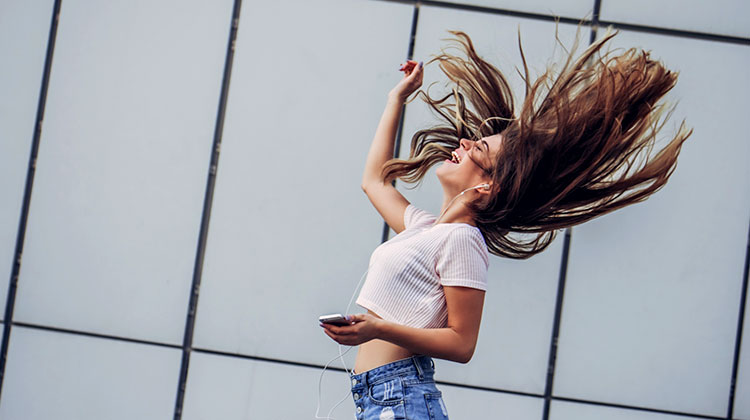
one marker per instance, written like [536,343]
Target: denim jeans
[404,389]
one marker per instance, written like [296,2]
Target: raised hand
[412,80]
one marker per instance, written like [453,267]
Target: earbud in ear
[485,187]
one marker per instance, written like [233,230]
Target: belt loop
[415,359]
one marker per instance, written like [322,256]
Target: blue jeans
[404,389]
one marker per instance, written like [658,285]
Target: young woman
[580,146]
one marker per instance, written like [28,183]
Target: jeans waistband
[421,365]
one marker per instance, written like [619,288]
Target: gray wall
[651,295]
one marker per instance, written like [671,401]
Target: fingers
[410,66]
[338,330]
[333,336]
[350,335]
[414,78]
[419,73]
[411,81]
[342,339]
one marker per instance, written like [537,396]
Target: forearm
[381,149]
[455,342]
[443,343]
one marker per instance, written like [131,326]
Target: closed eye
[486,148]
[487,153]
[484,143]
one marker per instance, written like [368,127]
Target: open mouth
[455,158]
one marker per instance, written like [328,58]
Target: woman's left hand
[364,328]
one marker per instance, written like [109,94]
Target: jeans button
[359,410]
[356,396]
[354,382]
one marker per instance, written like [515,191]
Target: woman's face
[470,165]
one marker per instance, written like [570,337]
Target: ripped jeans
[404,389]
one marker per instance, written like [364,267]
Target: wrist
[380,326]
[396,99]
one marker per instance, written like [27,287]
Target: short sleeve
[414,217]
[463,259]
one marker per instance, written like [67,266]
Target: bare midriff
[375,353]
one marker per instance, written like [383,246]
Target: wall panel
[723,17]
[577,9]
[59,376]
[122,167]
[24,29]
[563,410]
[232,388]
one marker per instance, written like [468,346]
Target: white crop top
[407,273]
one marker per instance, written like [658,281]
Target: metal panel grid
[233,26]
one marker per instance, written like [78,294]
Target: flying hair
[580,145]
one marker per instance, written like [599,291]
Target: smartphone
[334,319]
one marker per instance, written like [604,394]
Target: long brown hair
[580,146]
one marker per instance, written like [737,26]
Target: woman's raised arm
[383,195]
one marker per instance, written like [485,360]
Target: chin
[440,172]
[444,167]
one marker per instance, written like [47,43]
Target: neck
[454,210]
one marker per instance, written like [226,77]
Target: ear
[484,196]
[486,188]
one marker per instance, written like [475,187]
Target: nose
[465,143]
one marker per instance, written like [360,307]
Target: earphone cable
[340,356]
[484,186]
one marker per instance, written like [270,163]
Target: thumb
[416,71]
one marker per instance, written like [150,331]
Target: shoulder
[463,259]
[460,232]
[466,242]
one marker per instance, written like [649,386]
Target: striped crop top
[407,273]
